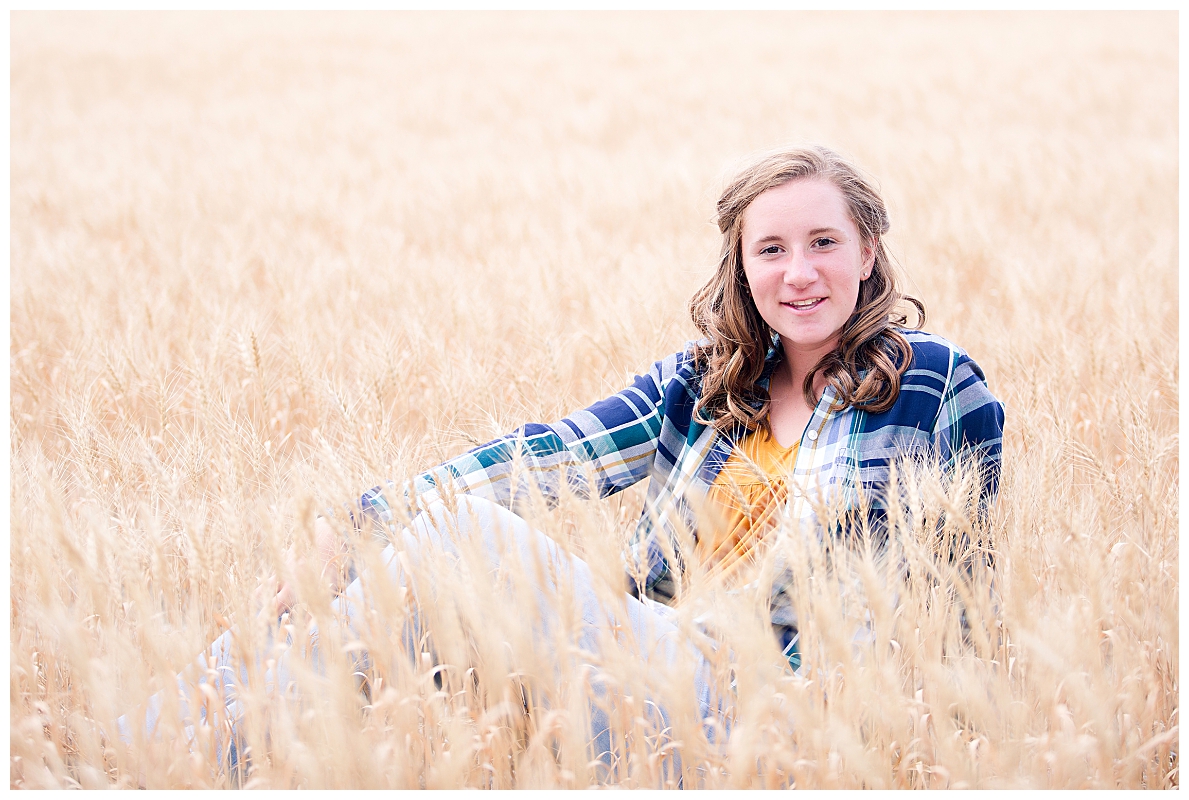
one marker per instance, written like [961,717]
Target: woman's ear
[869,249]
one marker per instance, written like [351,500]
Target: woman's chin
[810,341]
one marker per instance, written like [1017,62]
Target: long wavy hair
[871,357]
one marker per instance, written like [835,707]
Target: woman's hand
[331,555]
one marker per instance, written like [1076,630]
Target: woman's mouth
[805,305]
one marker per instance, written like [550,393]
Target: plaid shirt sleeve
[970,424]
[610,444]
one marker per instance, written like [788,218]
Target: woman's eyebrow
[772,237]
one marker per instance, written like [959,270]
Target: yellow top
[743,500]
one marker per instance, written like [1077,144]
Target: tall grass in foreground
[236,301]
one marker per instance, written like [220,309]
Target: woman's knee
[464,517]
[438,513]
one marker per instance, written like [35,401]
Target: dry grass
[260,262]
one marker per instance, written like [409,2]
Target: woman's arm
[600,450]
[969,424]
[614,442]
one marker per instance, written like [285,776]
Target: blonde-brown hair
[871,357]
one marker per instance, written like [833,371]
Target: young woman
[803,392]
[805,381]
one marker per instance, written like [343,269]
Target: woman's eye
[823,242]
[770,250]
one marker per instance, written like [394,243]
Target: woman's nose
[800,271]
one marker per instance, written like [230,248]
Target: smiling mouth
[805,305]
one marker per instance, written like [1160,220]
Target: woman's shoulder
[930,344]
[943,369]
[934,356]
[670,379]
[684,364]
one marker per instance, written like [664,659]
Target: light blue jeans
[503,535]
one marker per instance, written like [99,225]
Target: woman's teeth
[801,305]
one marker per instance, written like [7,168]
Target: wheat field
[261,262]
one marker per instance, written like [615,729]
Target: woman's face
[804,259]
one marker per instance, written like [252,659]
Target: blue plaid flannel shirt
[648,430]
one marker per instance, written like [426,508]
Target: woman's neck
[797,364]
[789,411]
